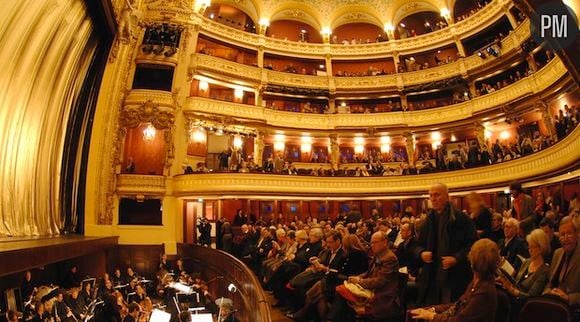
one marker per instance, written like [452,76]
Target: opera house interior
[290,160]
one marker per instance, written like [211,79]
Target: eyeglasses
[567,235]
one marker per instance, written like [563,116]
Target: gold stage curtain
[45,47]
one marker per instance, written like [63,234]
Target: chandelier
[149,133]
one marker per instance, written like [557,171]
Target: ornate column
[547,118]
[261,56]
[328,65]
[459,46]
[509,15]
[334,151]
[396,61]
[410,146]
[472,88]
[258,148]
[404,102]
[480,133]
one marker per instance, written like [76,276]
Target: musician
[107,289]
[86,294]
[180,273]
[131,275]
[117,278]
[185,316]
[27,287]
[72,278]
[227,313]
[40,314]
[133,313]
[61,311]
[11,316]
[164,264]
[139,296]
[76,304]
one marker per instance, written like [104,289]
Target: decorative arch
[297,12]
[410,8]
[353,14]
[249,7]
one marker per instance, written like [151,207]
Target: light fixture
[149,133]
[203,85]
[198,135]
[279,138]
[359,140]
[436,136]
[238,93]
[359,149]
[445,12]
[232,288]
[279,146]
[385,139]
[453,137]
[435,144]
[264,22]
[385,148]
[487,134]
[303,31]
[343,104]
[326,31]
[306,139]
[389,27]
[504,135]
[306,148]
[402,25]
[321,66]
[211,15]
[238,142]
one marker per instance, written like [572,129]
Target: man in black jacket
[443,245]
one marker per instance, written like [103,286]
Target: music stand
[203,317]
[159,316]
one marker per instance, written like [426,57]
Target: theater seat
[545,309]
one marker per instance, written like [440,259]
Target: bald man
[444,242]
[382,278]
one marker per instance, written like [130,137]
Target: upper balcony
[462,29]
[467,65]
[536,83]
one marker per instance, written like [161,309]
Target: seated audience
[496,233]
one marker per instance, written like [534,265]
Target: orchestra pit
[289,160]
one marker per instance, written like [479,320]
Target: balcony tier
[536,83]
[462,29]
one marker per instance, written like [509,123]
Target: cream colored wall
[44,50]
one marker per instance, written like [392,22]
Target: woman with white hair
[532,276]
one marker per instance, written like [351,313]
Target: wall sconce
[326,31]
[203,86]
[389,28]
[149,133]
[504,135]
[279,146]
[305,148]
[445,13]
[385,148]
[198,136]
[435,144]
[385,140]
[487,134]
[359,140]
[238,142]
[239,93]
[264,22]
[453,138]
[436,136]
[359,149]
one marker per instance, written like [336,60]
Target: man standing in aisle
[523,208]
[444,243]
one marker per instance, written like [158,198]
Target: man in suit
[564,279]
[382,278]
[512,245]
[331,257]
[260,250]
[443,245]
[522,208]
